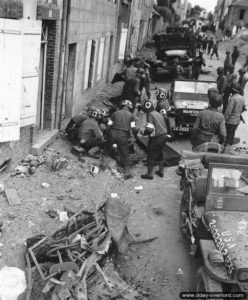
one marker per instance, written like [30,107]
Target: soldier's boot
[148,175]
[93,152]
[160,172]
[127,173]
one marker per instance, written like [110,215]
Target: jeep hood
[230,234]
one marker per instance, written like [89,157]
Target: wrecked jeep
[188,98]
[214,219]
[175,46]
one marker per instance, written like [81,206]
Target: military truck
[176,46]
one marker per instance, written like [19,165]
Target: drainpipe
[61,70]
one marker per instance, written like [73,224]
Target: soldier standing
[157,131]
[235,55]
[233,113]
[221,81]
[210,45]
[199,61]
[242,80]
[120,124]
[227,62]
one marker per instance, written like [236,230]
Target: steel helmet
[161,94]
[236,87]
[220,70]
[242,71]
[104,112]
[94,113]
[127,103]
[149,105]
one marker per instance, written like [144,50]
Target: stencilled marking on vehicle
[223,244]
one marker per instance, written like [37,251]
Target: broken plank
[12,197]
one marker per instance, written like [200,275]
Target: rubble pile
[70,261]
[147,53]
[102,99]
[28,165]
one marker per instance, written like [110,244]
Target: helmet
[201,52]
[127,103]
[94,113]
[161,94]
[242,71]
[220,70]
[212,92]
[236,87]
[215,100]
[149,106]
[228,52]
[104,112]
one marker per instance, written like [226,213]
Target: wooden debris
[12,197]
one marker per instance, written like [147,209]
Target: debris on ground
[138,188]
[12,196]
[45,185]
[158,211]
[59,163]
[68,261]
[1,188]
[28,165]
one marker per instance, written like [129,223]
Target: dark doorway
[108,79]
[70,80]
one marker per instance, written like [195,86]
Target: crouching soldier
[73,126]
[210,124]
[90,135]
[157,131]
[121,123]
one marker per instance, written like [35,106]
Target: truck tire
[204,283]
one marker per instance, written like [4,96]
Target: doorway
[109,59]
[70,80]
[42,77]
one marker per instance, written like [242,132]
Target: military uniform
[121,123]
[197,65]
[232,115]
[209,126]
[90,134]
[157,130]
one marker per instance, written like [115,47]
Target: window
[100,58]
[242,14]
[123,43]
[89,64]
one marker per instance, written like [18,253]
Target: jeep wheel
[204,283]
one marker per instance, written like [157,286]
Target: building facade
[57,54]
[237,16]
[29,50]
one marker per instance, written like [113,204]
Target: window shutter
[123,42]
[10,79]
[100,58]
[87,64]
[30,73]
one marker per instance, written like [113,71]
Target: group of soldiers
[101,131]
[220,121]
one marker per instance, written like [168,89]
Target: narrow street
[154,214]
[58,59]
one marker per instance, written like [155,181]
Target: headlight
[242,275]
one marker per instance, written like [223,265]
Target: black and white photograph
[123,149]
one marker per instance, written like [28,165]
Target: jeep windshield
[229,181]
[191,94]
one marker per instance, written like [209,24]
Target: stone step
[44,139]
